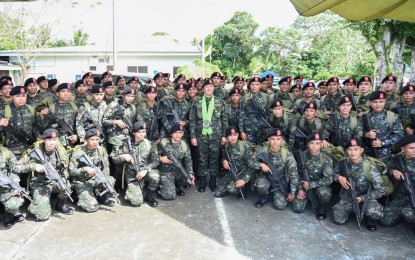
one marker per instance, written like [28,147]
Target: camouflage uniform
[287,124]
[344,207]
[169,177]
[241,154]
[110,100]
[221,93]
[329,102]
[347,128]
[233,113]
[149,160]
[400,205]
[308,128]
[85,187]
[167,120]
[47,95]
[299,105]
[286,170]
[392,100]
[405,113]
[287,99]
[80,100]
[34,101]
[149,113]
[83,124]
[320,170]
[162,93]
[208,146]
[362,103]
[387,134]
[40,186]
[249,121]
[11,202]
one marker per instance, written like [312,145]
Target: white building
[147,55]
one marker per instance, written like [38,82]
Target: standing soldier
[254,106]
[296,91]
[284,94]
[133,83]
[328,102]
[148,160]
[320,171]
[322,89]
[8,197]
[298,80]
[105,77]
[89,79]
[44,91]
[278,172]
[166,80]
[160,89]
[151,111]
[308,96]
[283,120]
[219,92]
[199,85]
[208,121]
[18,122]
[368,186]
[309,123]
[84,176]
[349,86]
[392,96]
[403,200]
[406,108]
[170,178]
[239,83]
[81,96]
[362,102]
[109,91]
[241,156]
[192,93]
[5,88]
[119,85]
[41,187]
[33,97]
[234,107]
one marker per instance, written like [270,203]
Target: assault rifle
[301,137]
[373,150]
[154,124]
[21,134]
[262,115]
[100,177]
[408,181]
[233,170]
[136,160]
[7,180]
[63,125]
[120,115]
[176,115]
[175,162]
[277,183]
[50,172]
[304,172]
[87,114]
[337,135]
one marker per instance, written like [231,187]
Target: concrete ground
[199,226]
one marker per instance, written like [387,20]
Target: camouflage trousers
[395,210]
[255,132]
[227,184]
[41,191]
[343,209]
[134,193]
[208,152]
[262,184]
[322,194]
[168,181]
[11,203]
[86,196]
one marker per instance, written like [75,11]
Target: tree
[80,38]
[198,69]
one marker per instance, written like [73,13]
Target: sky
[182,19]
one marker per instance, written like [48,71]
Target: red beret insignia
[317,136]
[353,142]
[381,96]
[233,131]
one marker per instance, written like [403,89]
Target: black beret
[199,80]
[191,80]
[354,142]
[377,95]
[141,124]
[322,83]
[407,88]
[285,79]
[407,139]
[180,76]
[108,84]
[309,85]
[311,105]
[313,137]
[180,86]
[166,75]
[17,90]
[6,83]
[269,76]
[190,85]
[215,74]
[29,81]
[298,77]
[63,86]
[296,86]
[40,79]
[273,132]
[231,130]
[343,99]
[207,82]
[88,74]
[96,88]
[223,77]
[389,78]
[52,82]
[237,78]
[234,91]
[247,79]
[50,133]
[118,79]
[92,132]
[105,74]
[333,79]
[364,79]
[128,90]
[135,78]
[80,82]
[149,89]
[277,103]
[158,75]
[263,79]
[175,128]
[97,80]
[350,81]
[3,78]
[254,79]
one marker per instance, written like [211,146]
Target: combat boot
[371,224]
[18,217]
[62,207]
[102,199]
[322,212]
[8,220]
[212,183]
[262,201]
[179,192]
[150,198]
[202,184]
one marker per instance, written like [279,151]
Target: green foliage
[197,69]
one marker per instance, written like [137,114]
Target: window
[92,68]
[175,71]
[142,69]
[110,68]
[132,69]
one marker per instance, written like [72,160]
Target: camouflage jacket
[405,113]
[182,153]
[242,155]
[83,123]
[299,105]
[249,115]
[401,190]
[320,170]
[7,163]
[347,128]
[99,158]
[182,108]
[287,124]
[329,102]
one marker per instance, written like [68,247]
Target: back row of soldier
[99,135]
